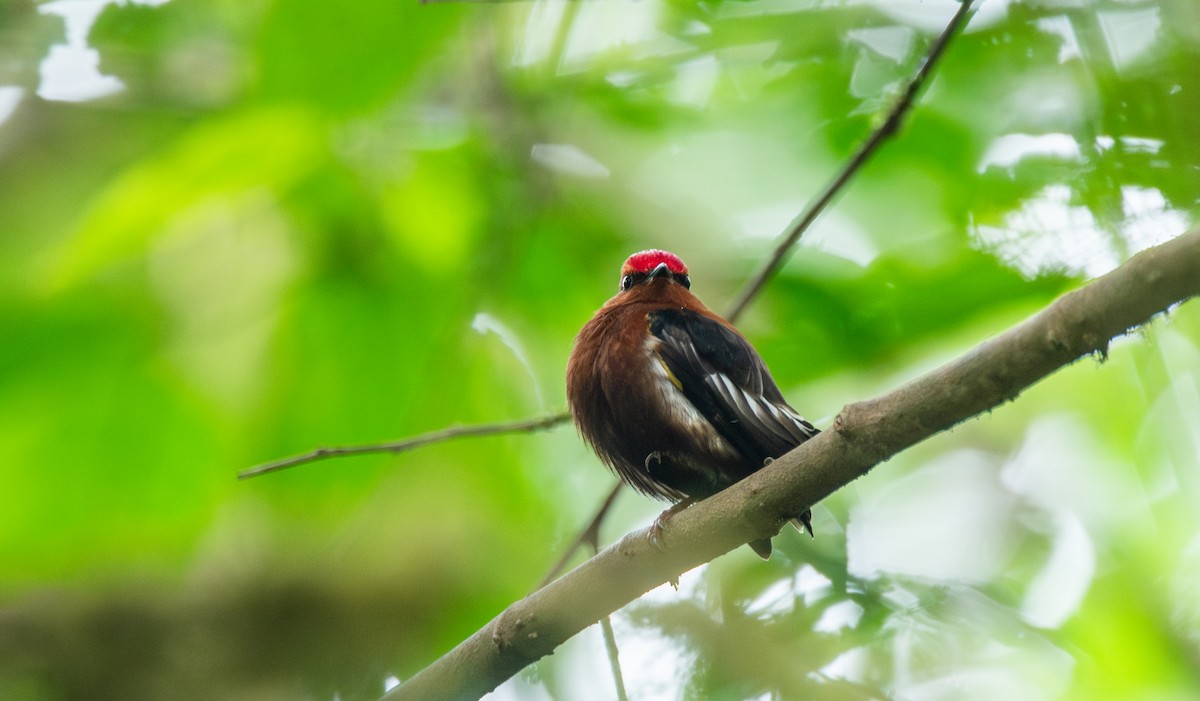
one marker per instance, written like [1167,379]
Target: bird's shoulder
[706,343]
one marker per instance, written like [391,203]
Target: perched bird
[671,396]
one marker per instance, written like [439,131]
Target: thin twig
[610,643]
[889,127]
[409,443]
[610,638]
[589,535]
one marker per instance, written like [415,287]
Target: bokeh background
[235,230]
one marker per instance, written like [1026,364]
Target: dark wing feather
[724,378]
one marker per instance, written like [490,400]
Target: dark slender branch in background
[590,535]
[864,434]
[889,127]
[409,443]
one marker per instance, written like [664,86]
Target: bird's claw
[656,528]
[655,535]
[652,462]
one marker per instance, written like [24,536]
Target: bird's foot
[656,528]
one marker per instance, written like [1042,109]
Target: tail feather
[803,522]
[761,547]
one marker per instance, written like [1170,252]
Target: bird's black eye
[684,280]
[626,282]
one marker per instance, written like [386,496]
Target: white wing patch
[780,421]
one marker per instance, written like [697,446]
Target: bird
[672,397]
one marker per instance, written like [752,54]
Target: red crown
[645,261]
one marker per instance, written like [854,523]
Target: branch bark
[1080,323]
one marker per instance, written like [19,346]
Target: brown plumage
[670,395]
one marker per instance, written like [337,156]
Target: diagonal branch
[889,127]
[1080,323]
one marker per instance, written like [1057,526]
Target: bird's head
[648,267]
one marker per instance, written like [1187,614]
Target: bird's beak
[660,270]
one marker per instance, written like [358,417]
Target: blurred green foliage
[298,223]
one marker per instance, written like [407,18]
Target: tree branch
[1078,324]
[889,127]
[400,446]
